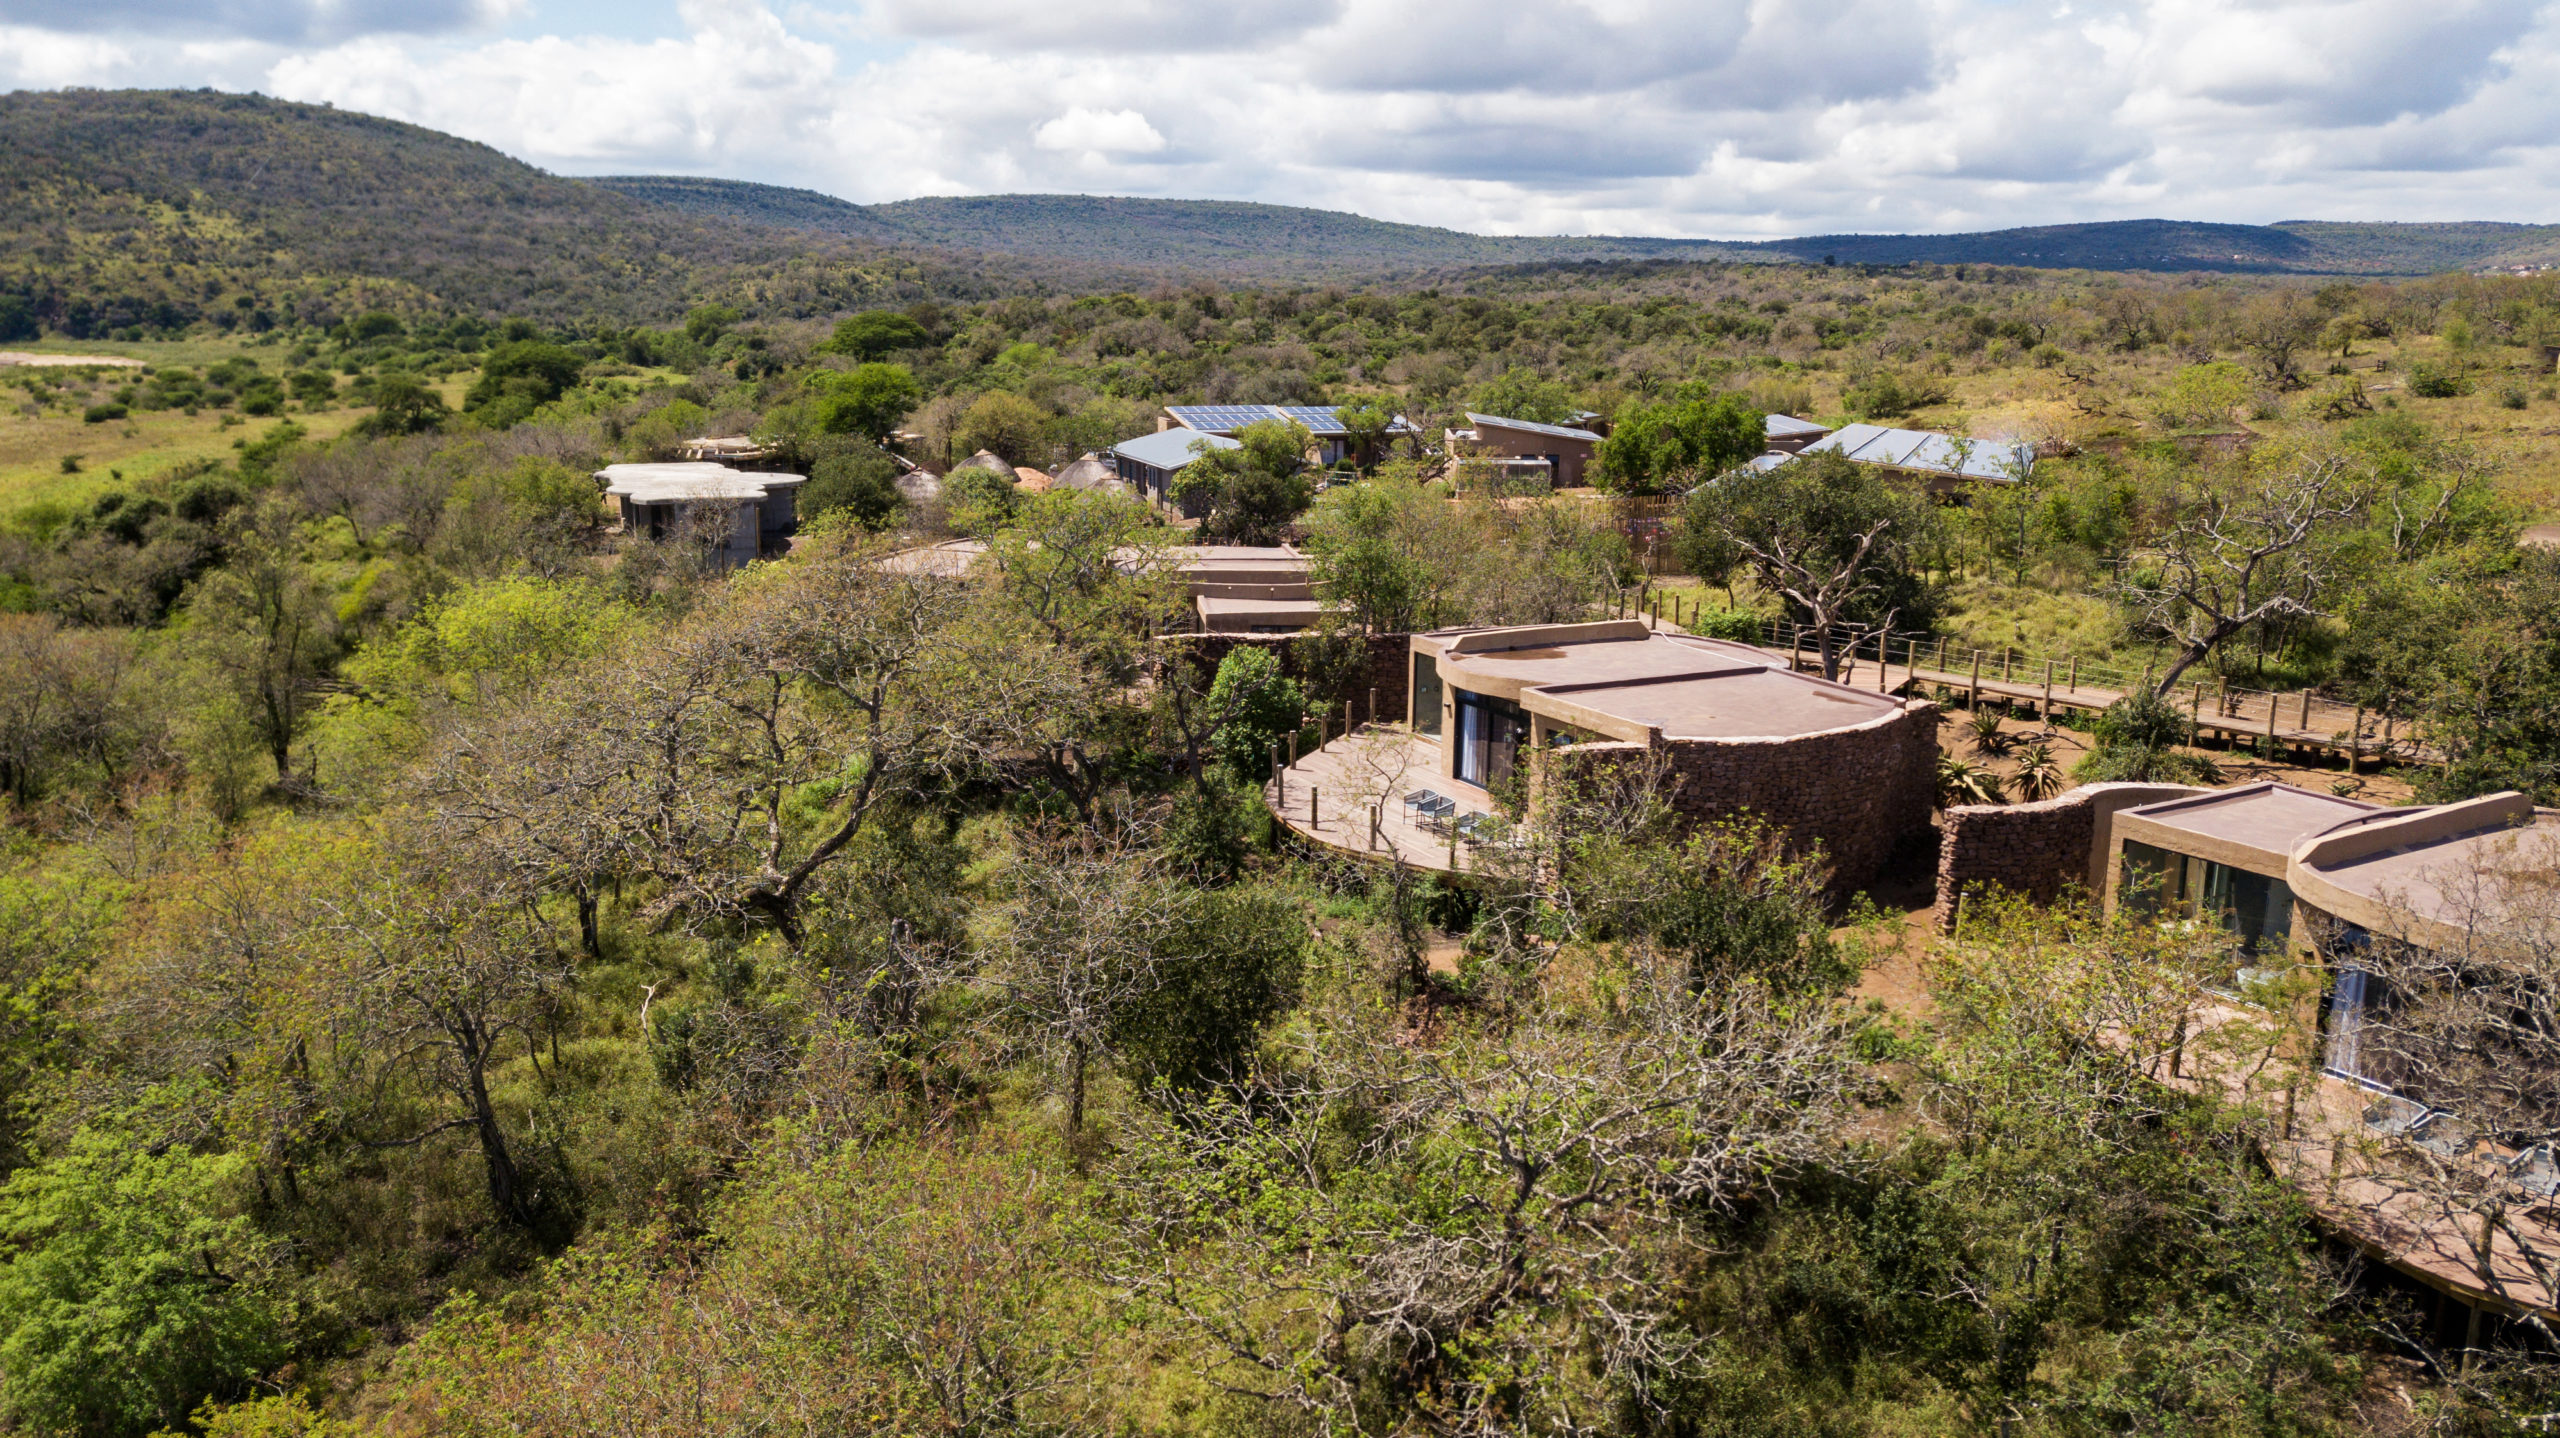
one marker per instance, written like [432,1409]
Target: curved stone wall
[1858,792]
[2035,850]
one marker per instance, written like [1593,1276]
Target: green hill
[1233,237]
[1225,236]
[156,208]
[124,210]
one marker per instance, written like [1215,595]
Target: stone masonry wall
[2030,849]
[1857,792]
[2035,850]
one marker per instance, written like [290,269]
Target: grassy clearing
[38,430]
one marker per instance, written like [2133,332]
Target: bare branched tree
[1075,943]
[730,759]
[2241,552]
[1500,1248]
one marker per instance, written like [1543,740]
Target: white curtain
[2346,1024]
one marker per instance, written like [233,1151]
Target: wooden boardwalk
[2301,721]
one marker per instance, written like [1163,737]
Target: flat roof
[1788,425]
[2272,818]
[691,480]
[2455,880]
[1687,687]
[1739,703]
[1218,612]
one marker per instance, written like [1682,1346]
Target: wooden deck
[2364,1191]
[2300,721]
[1329,797]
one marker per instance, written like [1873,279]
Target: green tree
[404,405]
[860,482]
[1366,422]
[1693,436]
[1252,494]
[1227,964]
[523,376]
[265,625]
[133,1289]
[867,400]
[1362,552]
[1839,542]
[1522,394]
[1259,707]
[874,333]
[1004,424]
[705,323]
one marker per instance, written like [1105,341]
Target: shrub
[2203,394]
[863,483]
[1263,706]
[1886,395]
[129,1296]
[2433,381]
[101,413]
[2512,397]
[2138,738]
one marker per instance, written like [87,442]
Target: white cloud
[1083,130]
[1699,117]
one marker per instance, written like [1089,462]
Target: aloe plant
[1960,782]
[1989,740]
[2039,774]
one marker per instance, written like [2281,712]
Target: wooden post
[2355,740]
[2272,706]
[2074,686]
[1373,703]
[1941,664]
[2306,710]
[1795,648]
[2004,663]
[1315,815]
[1373,828]
[1346,718]
[1976,701]
[2048,691]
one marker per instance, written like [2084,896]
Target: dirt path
[29,357]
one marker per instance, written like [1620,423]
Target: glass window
[1490,733]
[2257,908]
[2153,881]
[1426,695]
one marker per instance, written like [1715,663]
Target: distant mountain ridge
[1232,235]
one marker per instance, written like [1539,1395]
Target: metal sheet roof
[1991,459]
[1170,449]
[1778,425]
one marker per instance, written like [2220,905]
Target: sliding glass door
[1490,733]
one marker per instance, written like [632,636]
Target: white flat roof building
[661,500]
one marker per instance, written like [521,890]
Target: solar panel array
[1221,418]
[1320,419]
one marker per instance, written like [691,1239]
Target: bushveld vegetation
[469,972]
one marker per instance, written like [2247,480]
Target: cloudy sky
[1728,118]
